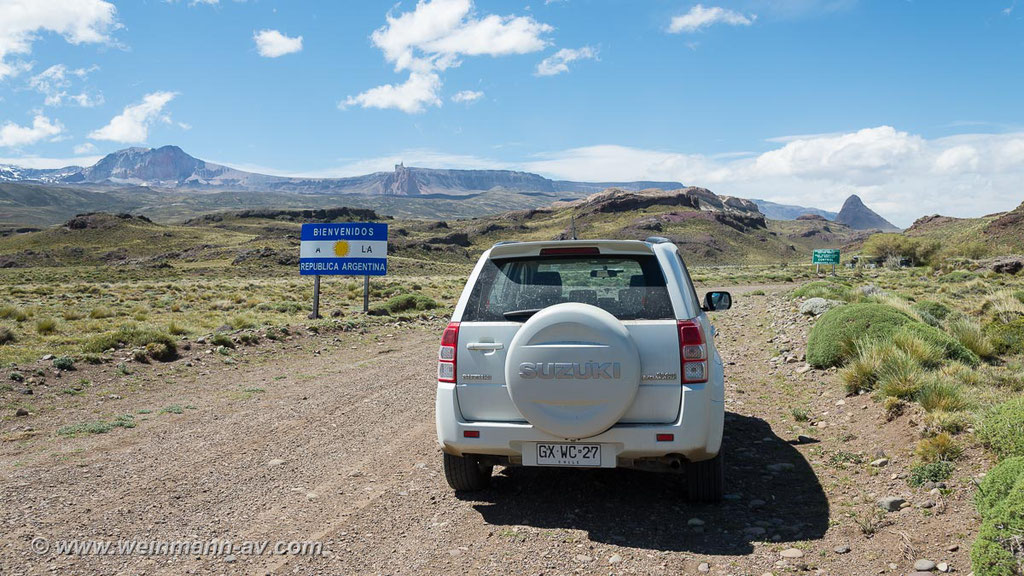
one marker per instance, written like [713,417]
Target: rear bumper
[697,432]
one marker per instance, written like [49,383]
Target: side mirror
[716,301]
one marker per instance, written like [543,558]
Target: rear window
[631,287]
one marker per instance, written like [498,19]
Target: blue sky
[916,106]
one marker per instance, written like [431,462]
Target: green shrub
[936,310]
[900,376]
[222,340]
[1006,337]
[162,351]
[1002,428]
[861,373]
[242,322]
[46,326]
[64,363]
[832,339]
[176,329]
[404,302]
[100,312]
[999,549]
[939,394]
[954,350]
[968,332]
[957,276]
[6,335]
[998,483]
[925,352]
[13,313]
[823,289]
[930,472]
[938,448]
[127,335]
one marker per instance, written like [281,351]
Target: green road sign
[825,257]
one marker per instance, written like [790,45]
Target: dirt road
[331,439]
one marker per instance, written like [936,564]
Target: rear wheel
[466,473]
[705,480]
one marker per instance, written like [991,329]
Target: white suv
[591,354]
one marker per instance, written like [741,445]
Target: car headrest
[637,281]
[547,279]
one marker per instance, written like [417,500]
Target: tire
[466,474]
[705,481]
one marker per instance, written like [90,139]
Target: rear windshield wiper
[520,314]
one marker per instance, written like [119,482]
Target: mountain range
[172,167]
[169,183]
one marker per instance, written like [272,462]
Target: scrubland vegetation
[951,342]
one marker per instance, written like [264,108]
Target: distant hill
[991,235]
[709,229]
[774,211]
[172,167]
[859,217]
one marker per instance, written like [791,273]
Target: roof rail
[657,240]
[503,242]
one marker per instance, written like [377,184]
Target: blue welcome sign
[344,249]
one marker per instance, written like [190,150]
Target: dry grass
[968,332]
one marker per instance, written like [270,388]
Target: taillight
[446,354]
[693,352]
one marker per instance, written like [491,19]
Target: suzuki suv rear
[582,354]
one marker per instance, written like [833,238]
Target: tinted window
[629,287]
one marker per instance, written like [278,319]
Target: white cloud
[78,21]
[559,61]
[45,163]
[421,89]
[86,148]
[961,158]
[467,96]
[13,135]
[55,81]
[700,17]
[431,38]
[271,43]
[132,124]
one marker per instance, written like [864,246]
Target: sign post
[343,249]
[829,256]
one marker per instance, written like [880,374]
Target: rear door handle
[491,346]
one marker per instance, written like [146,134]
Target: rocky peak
[859,217]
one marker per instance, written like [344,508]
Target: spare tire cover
[572,370]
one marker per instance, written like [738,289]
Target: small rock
[927,504]
[583,558]
[756,503]
[704,567]
[880,462]
[695,522]
[792,553]
[275,462]
[21,412]
[953,548]
[804,369]
[615,559]
[801,439]
[779,467]
[48,357]
[942,566]
[311,496]
[891,503]
[844,549]
[754,531]
[230,558]
[924,565]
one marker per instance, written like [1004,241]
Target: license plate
[568,454]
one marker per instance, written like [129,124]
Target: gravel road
[331,439]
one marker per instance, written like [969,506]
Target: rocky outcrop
[859,217]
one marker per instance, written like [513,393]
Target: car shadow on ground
[772,495]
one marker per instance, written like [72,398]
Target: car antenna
[572,227]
